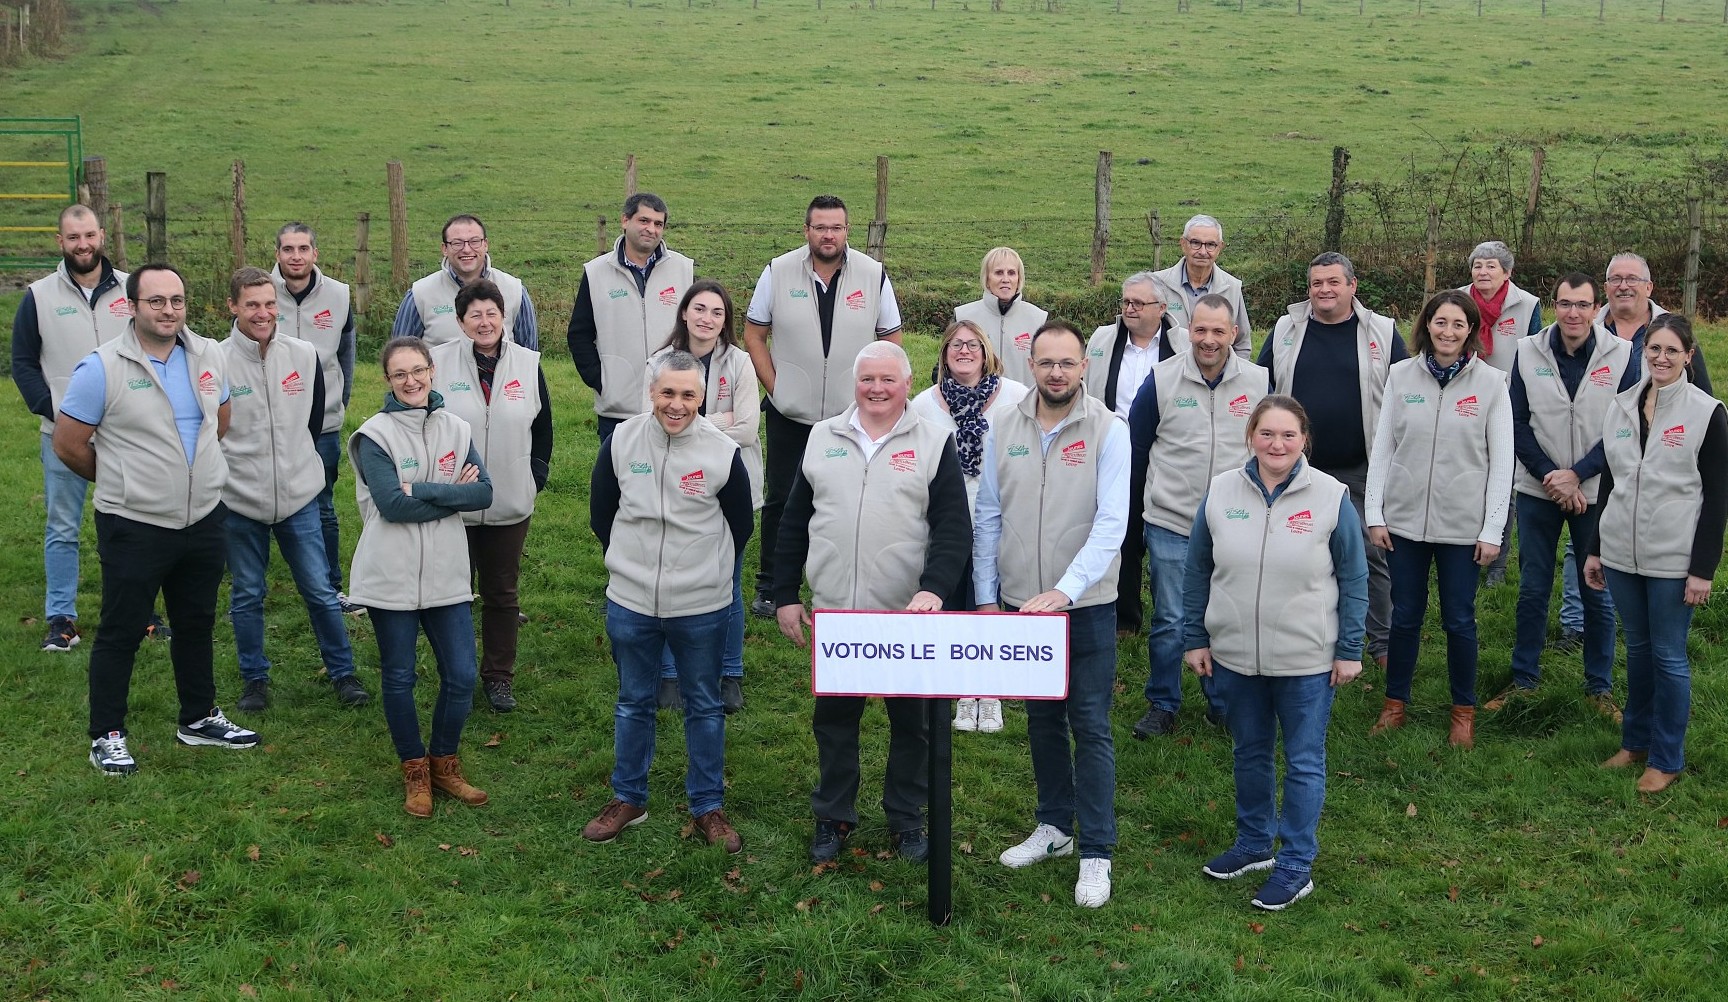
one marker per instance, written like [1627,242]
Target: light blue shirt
[86,396]
[524,326]
[1109,524]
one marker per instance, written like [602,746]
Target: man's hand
[1593,575]
[1050,601]
[1199,659]
[1345,672]
[924,601]
[1560,485]
[792,620]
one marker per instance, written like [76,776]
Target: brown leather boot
[1391,717]
[1463,727]
[419,785]
[447,778]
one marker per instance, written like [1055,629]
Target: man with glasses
[1563,380]
[141,417]
[1197,274]
[1119,357]
[1630,309]
[813,309]
[429,309]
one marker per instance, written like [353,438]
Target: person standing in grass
[274,479]
[1003,313]
[970,393]
[429,308]
[876,519]
[670,504]
[1438,480]
[1182,284]
[496,386]
[1052,511]
[141,417]
[1275,593]
[624,306]
[416,471]
[1664,503]
[705,329]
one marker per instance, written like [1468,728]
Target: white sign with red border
[1000,655]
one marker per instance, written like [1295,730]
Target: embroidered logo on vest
[1466,407]
[322,320]
[447,464]
[1623,433]
[1601,376]
[837,452]
[65,311]
[513,390]
[1544,370]
[1023,342]
[1301,523]
[1019,450]
[669,296]
[1096,353]
[855,299]
[1674,437]
[410,463]
[1374,351]
[617,293]
[799,294]
[460,386]
[641,468]
[441,310]
[1186,401]
[240,391]
[120,308]
[1074,453]
[139,384]
[693,485]
[207,382]
[1415,398]
[293,385]
[903,462]
[1239,406]
[1236,514]
[724,391]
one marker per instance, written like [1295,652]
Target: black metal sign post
[941,865]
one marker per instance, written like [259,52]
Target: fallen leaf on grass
[826,866]
[1452,893]
[876,908]
[806,905]
[468,851]
[252,853]
[190,879]
[651,874]
[1136,927]
[443,847]
[385,840]
[1410,811]
[1240,963]
[1044,898]
[1117,965]
[1353,927]
[494,741]
[1256,927]
[798,980]
[875,885]
[966,847]
[1537,942]
[1720,822]
[170,985]
[248,991]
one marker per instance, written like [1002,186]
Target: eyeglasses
[826,231]
[1663,351]
[418,372]
[1205,245]
[968,346]
[158,302]
[1625,280]
[1568,304]
[474,242]
[1048,364]
[1135,305]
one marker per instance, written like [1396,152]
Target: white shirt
[761,310]
[865,442]
[1137,364]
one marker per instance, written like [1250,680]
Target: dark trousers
[785,450]
[496,553]
[139,560]
[605,425]
[905,785]
[1129,577]
[1455,571]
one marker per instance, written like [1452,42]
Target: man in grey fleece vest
[429,309]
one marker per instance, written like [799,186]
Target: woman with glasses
[1664,503]
[496,385]
[1003,314]
[415,472]
[969,387]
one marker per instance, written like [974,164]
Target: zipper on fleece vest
[1260,578]
[660,496]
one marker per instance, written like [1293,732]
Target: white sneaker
[216,731]
[989,716]
[1045,842]
[966,715]
[1093,888]
[109,754]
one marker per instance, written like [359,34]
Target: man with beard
[820,304]
[64,317]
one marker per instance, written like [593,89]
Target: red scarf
[1490,308]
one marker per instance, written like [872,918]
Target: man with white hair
[1198,274]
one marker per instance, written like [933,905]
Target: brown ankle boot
[1463,727]
[447,778]
[419,785]
[1391,717]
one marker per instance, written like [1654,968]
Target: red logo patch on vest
[724,391]
[1074,454]
[855,299]
[903,462]
[323,320]
[1300,523]
[1507,326]
[293,385]
[669,296]
[1374,351]
[447,464]
[1601,376]
[120,308]
[513,390]
[1023,342]
[207,382]
[693,484]
[1239,406]
[1466,407]
[1674,437]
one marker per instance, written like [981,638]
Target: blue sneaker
[1281,890]
[1235,862]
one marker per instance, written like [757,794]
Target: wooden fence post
[1694,222]
[398,223]
[117,235]
[156,217]
[95,185]
[877,242]
[1335,200]
[629,175]
[1527,236]
[237,217]
[362,262]
[1155,227]
[600,243]
[1432,255]
[1101,217]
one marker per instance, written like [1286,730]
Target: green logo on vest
[1239,514]
[800,294]
[835,453]
[242,390]
[460,384]
[1415,398]
[1096,353]
[641,468]
[1019,450]
[1544,370]
[139,384]
[1187,402]
[618,294]
[410,463]
[65,311]
[1288,339]
[1623,433]
[441,310]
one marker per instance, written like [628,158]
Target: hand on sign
[1050,601]
[924,601]
[1199,659]
[793,619]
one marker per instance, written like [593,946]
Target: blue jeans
[1077,782]
[450,631]
[1256,707]
[329,450]
[732,661]
[302,545]
[696,643]
[1539,522]
[63,493]
[1455,570]
[1658,677]
[1167,552]
[1571,602]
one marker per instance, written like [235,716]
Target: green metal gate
[26,181]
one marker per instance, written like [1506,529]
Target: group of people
[1285,511]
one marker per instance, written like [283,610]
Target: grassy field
[1517,871]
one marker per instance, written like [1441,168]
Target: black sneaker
[763,607]
[521,617]
[216,731]
[254,697]
[1155,721]
[830,836]
[62,634]
[669,696]
[349,608]
[349,692]
[108,754]
[731,694]
[911,845]
[499,695]
[157,630]
[1570,642]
